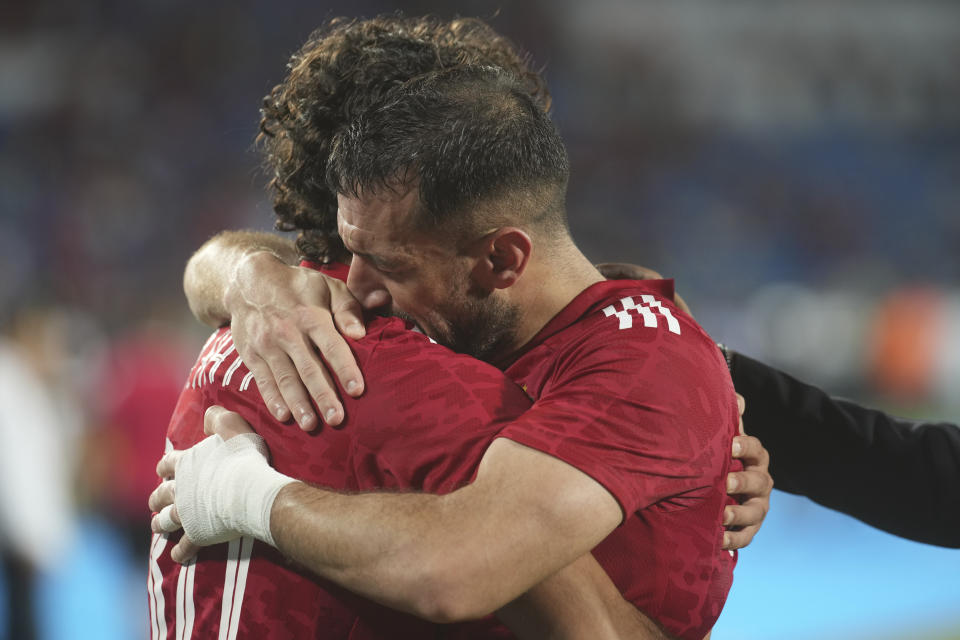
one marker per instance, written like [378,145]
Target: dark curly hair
[346,66]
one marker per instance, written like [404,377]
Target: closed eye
[381,265]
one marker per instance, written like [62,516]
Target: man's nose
[364,283]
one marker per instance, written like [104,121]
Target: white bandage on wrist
[226,489]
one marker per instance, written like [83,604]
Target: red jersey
[424,422]
[634,393]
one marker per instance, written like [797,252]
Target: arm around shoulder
[579,601]
[899,475]
[453,557]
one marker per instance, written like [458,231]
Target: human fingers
[331,313]
[340,360]
[184,551]
[273,307]
[163,495]
[315,373]
[753,485]
[739,539]
[741,407]
[269,391]
[166,521]
[348,318]
[167,466]
[291,349]
[752,481]
[279,313]
[347,311]
[320,383]
[224,423]
[749,513]
[283,372]
[750,450]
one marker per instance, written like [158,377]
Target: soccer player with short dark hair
[424,421]
[458,219]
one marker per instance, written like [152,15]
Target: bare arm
[452,557]
[580,601]
[287,322]
[443,558]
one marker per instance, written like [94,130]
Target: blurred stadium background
[795,166]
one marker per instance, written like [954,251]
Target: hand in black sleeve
[895,474]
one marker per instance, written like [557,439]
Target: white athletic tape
[164,521]
[227,489]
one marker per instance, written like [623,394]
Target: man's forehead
[366,222]
[353,236]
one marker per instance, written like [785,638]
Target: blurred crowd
[796,167]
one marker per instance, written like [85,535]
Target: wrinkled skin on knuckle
[330,344]
[342,371]
[312,374]
[266,390]
[324,398]
[287,379]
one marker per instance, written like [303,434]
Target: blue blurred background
[795,166]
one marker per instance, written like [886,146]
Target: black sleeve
[894,474]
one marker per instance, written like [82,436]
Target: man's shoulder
[630,316]
[413,375]
[395,350]
[407,375]
[219,366]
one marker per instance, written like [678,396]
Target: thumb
[224,423]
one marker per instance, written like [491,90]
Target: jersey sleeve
[645,412]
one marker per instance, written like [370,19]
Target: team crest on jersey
[647,308]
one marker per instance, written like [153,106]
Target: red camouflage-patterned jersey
[633,392]
[424,422]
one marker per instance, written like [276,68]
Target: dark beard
[485,330]
[485,327]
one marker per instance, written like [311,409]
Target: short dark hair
[344,67]
[463,137]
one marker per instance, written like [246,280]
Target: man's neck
[547,286]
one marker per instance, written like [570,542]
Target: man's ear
[503,257]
